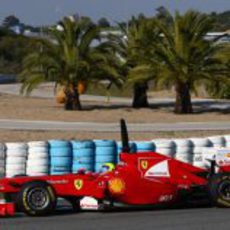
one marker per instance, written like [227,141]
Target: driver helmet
[107,167]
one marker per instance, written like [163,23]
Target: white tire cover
[166,151]
[183,143]
[16,145]
[14,167]
[15,160]
[198,150]
[197,158]
[35,162]
[185,149]
[37,144]
[37,174]
[227,138]
[185,158]
[38,155]
[164,143]
[199,164]
[43,169]
[2,147]
[2,163]
[16,153]
[218,141]
[209,153]
[38,150]
[13,174]
[201,142]
[2,154]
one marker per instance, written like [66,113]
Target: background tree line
[168,50]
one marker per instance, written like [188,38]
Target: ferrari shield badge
[144,164]
[78,184]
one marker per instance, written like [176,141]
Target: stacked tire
[83,155]
[165,147]
[184,150]
[38,158]
[60,157]
[198,145]
[16,156]
[2,160]
[105,152]
[132,149]
[217,141]
[227,141]
[145,146]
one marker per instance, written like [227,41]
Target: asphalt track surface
[110,127]
[169,219]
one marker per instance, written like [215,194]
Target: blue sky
[44,12]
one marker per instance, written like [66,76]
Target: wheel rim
[38,198]
[224,190]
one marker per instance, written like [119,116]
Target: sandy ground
[11,136]
[28,108]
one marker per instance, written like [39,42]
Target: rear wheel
[219,189]
[36,199]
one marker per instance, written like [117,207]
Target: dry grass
[17,107]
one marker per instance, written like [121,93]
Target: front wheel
[219,190]
[36,199]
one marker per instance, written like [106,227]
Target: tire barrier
[217,141]
[2,160]
[145,146]
[198,145]
[165,147]
[38,161]
[208,153]
[184,150]
[105,152]
[16,157]
[60,157]
[227,141]
[132,147]
[83,155]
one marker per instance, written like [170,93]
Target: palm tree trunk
[183,99]
[76,99]
[140,99]
[68,101]
[72,99]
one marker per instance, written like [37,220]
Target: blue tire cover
[145,146]
[61,161]
[60,152]
[59,143]
[105,143]
[86,144]
[87,167]
[84,160]
[106,158]
[60,173]
[87,152]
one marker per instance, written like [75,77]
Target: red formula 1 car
[139,179]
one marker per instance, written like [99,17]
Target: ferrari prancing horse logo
[144,164]
[78,184]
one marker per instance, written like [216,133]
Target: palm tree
[221,88]
[133,50]
[69,59]
[186,59]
